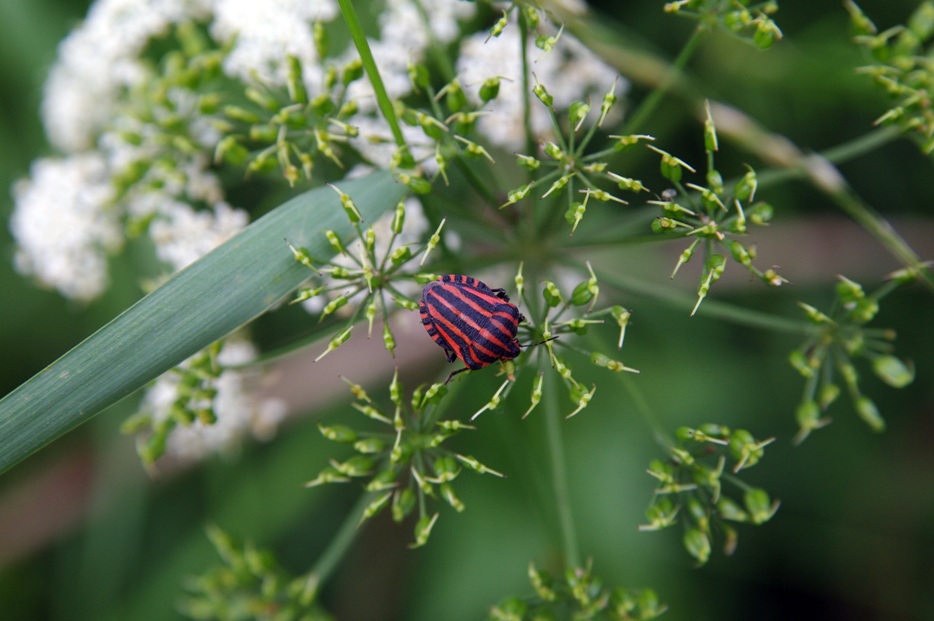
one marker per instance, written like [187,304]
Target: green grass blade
[225,289]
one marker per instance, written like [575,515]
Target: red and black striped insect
[470,321]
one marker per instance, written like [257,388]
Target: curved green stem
[559,479]
[844,152]
[341,542]
[792,162]
[372,71]
[662,437]
[651,103]
[711,308]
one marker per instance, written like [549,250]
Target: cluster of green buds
[371,274]
[167,128]
[445,127]
[828,355]
[565,167]
[750,22]
[265,127]
[714,216]
[249,584]
[578,594]
[691,485]
[531,14]
[285,128]
[194,401]
[902,69]
[554,323]
[402,459]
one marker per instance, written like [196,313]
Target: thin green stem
[820,170]
[863,144]
[372,71]
[839,154]
[642,405]
[526,86]
[559,477]
[711,308]
[341,541]
[477,183]
[530,146]
[650,104]
[867,217]
[436,51]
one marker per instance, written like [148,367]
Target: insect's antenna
[539,343]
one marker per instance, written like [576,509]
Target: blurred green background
[85,534]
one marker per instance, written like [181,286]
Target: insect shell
[470,321]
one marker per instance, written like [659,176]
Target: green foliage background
[855,533]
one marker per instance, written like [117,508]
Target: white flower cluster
[72,213]
[63,225]
[407,29]
[264,33]
[239,412]
[83,112]
[99,59]
[569,72]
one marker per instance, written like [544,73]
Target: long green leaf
[212,297]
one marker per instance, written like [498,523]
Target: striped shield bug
[470,321]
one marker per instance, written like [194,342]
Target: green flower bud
[552,294]
[489,89]
[419,76]
[542,582]
[369,446]
[528,162]
[893,371]
[447,492]
[385,479]
[730,510]
[356,466]
[760,507]
[376,506]
[423,530]
[868,411]
[338,433]
[352,71]
[697,544]
[539,91]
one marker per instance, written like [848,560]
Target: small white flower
[569,72]
[98,59]
[182,235]
[376,144]
[406,29]
[265,32]
[240,413]
[65,226]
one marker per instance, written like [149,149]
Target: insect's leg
[453,373]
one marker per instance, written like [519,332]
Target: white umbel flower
[182,235]
[265,32]
[240,413]
[65,226]
[569,72]
[98,59]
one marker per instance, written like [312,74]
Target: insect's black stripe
[474,303]
[456,327]
[432,330]
[460,348]
[479,339]
[457,309]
